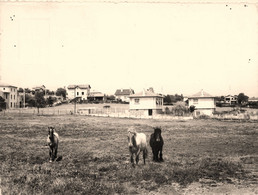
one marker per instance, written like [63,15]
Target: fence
[104,112]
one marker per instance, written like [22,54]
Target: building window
[82,93]
[14,97]
[77,93]
[11,104]
[136,101]
[159,101]
[195,101]
[11,96]
[6,96]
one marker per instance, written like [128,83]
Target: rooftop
[145,93]
[201,94]
[79,86]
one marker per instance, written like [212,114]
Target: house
[146,103]
[253,99]
[123,94]
[41,88]
[78,91]
[230,99]
[96,96]
[204,103]
[10,94]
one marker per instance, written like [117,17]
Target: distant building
[96,96]
[78,91]
[230,99]
[123,94]
[253,99]
[10,94]
[146,103]
[204,103]
[41,88]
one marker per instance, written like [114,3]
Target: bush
[180,109]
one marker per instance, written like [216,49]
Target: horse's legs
[132,161]
[153,152]
[156,153]
[55,156]
[137,158]
[160,154]
[50,154]
[144,155]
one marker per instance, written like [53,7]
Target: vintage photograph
[118,97]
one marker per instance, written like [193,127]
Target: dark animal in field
[137,142]
[52,142]
[156,143]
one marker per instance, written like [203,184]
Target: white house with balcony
[204,103]
[146,103]
[10,94]
[78,91]
[230,99]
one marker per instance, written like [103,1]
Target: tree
[27,90]
[30,101]
[242,98]
[61,92]
[40,100]
[167,99]
[20,90]
[180,109]
[2,103]
[50,101]
[192,108]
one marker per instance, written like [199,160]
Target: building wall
[201,103]
[124,98]
[145,112]
[146,103]
[204,112]
[83,93]
[10,95]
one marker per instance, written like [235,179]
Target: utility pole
[75,100]
[24,98]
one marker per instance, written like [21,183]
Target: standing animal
[52,142]
[137,142]
[156,143]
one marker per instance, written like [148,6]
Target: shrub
[180,109]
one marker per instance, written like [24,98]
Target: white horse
[137,142]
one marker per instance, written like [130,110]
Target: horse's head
[51,131]
[131,138]
[157,134]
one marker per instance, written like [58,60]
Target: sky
[173,47]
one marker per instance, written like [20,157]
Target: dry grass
[95,158]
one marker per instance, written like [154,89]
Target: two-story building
[78,91]
[123,94]
[146,103]
[10,95]
[203,102]
[230,99]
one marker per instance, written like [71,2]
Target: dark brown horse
[52,141]
[156,143]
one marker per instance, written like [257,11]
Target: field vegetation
[201,156]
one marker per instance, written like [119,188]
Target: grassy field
[201,157]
